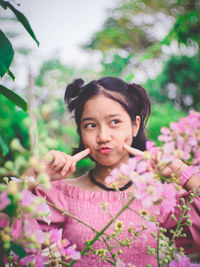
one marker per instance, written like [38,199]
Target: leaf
[6,55]
[16,99]
[4,146]
[11,209]
[18,250]
[3,4]
[23,21]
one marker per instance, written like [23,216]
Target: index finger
[81,154]
[133,151]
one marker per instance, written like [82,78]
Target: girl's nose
[103,135]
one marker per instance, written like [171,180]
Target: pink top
[86,206]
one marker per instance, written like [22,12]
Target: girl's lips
[105,150]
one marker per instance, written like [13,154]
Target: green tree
[133,26]
[179,82]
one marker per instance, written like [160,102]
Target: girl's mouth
[105,150]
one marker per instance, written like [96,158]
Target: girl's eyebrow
[91,118]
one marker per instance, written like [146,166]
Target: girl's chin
[112,163]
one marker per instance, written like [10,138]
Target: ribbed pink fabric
[86,206]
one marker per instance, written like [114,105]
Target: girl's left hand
[175,166]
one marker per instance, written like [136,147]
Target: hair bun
[73,90]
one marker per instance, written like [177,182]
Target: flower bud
[53,124]
[46,111]
[6,245]
[43,178]
[12,188]
[173,217]
[31,264]
[9,165]
[50,142]
[32,238]
[16,145]
[188,222]
[7,230]
[5,237]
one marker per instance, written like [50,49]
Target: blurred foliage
[132,25]
[55,127]
[179,81]
[11,123]
[151,32]
[113,65]
[7,53]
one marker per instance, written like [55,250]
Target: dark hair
[132,97]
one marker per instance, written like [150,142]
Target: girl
[110,116]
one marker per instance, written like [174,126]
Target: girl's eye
[90,125]
[114,122]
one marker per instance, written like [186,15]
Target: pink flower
[112,177]
[31,227]
[149,145]
[56,236]
[120,263]
[27,198]
[42,208]
[165,131]
[26,260]
[38,260]
[164,138]
[183,261]
[169,147]
[142,166]
[71,252]
[4,200]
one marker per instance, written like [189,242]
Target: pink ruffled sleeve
[191,243]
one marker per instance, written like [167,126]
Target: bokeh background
[151,42]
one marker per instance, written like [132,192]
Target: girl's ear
[136,125]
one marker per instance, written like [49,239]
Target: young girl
[110,116]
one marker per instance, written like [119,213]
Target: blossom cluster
[182,138]
[22,240]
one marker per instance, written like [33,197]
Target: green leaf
[4,146]
[11,74]
[6,55]
[16,99]
[11,209]
[18,250]
[23,21]
[3,4]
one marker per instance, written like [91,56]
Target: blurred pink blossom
[4,200]
[183,261]
[38,259]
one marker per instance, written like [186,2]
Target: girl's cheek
[128,140]
[87,144]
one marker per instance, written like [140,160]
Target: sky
[61,27]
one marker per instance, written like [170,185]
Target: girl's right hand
[58,165]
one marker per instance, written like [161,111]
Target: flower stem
[104,229]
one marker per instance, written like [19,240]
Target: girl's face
[105,127]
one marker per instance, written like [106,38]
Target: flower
[38,260]
[71,252]
[183,261]
[120,263]
[4,200]
[183,136]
